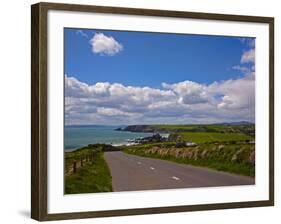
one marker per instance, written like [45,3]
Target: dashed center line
[152,168]
[175,178]
[139,163]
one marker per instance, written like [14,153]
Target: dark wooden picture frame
[39,121]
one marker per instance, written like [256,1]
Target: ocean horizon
[77,136]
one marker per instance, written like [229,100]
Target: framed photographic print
[139,111]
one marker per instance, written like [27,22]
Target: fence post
[74,167]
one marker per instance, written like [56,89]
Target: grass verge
[94,176]
[213,158]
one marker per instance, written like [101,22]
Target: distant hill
[226,127]
[137,128]
[235,123]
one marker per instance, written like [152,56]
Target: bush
[180,144]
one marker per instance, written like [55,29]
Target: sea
[82,135]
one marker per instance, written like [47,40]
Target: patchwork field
[205,137]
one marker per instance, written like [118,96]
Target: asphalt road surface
[131,173]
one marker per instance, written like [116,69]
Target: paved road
[130,173]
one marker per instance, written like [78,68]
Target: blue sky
[176,57]
[187,66]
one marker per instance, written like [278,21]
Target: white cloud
[248,56]
[82,33]
[242,69]
[248,71]
[105,45]
[111,112]
[236,94]
[183,102]
[189,92]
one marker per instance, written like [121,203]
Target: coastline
[81,136]
[102,135]
[128,142]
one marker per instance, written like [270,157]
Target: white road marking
[139,163]
[175,178]
[152,168]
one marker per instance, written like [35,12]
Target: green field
[175,127]
[204,137]
[209,133]
[206,128]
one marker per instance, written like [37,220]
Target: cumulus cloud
[248,56]
[247,61]
[188,92]
[105,45]
[236,94]
[111,112]
[183,102]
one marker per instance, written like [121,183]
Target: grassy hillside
[235,158]
[92,173]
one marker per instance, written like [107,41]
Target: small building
[190,143]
